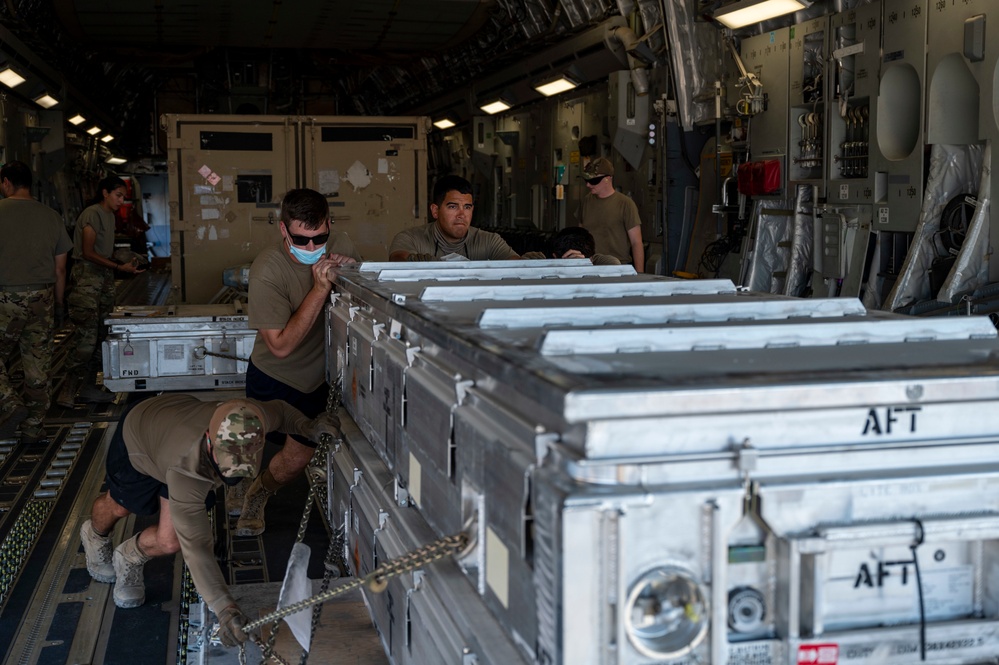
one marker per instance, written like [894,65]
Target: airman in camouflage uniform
[32,282]
[92,296]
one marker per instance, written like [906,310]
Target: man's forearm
[298,326]
[638,254]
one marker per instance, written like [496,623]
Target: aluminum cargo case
[675,471]
[177,347]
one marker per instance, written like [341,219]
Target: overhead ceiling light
[747,12]
[495,106]
[10,78]
[46,101]
[107,138]
[77,119]
[115,160]
[444,123]
[93,131]
[556,86]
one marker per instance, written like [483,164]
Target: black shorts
[265,388]
[134,491]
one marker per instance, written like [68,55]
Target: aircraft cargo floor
[52,613]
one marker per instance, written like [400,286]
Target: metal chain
[378,578]
[332,405]
[332,402]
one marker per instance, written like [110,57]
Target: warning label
[818,654]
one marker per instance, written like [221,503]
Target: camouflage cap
[601,166]
[238,429]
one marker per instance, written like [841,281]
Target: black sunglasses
[302,241]
[594,180]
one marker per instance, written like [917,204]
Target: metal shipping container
[227,175]
[665,471]
[177,347]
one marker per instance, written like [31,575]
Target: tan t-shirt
[163,436]
[102,222]
[609,220]
[479,245]
[278,285]
[33,235]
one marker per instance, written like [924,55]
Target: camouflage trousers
[26,323]
[90,300]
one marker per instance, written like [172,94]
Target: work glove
[231,622]
[421,257]
[533,255]
[325,423]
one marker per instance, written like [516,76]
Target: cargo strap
[229,356]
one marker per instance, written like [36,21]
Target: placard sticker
[214,178]
[818,654]
[227,181]
[205,171]
[498,567]
[415,479]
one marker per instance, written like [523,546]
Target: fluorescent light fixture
[46,101]
[444,123]
[495,106]
[555,86]
[748,12]
[77,119]
[95,130]
[107,138]
[115,160]
[10,78]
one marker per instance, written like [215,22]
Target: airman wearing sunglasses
[289,284]
[612,217]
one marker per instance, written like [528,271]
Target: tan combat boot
[251,518]
[235,495]
[67,394]
[98,550]
[129,587]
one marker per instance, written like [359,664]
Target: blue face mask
[305,256]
